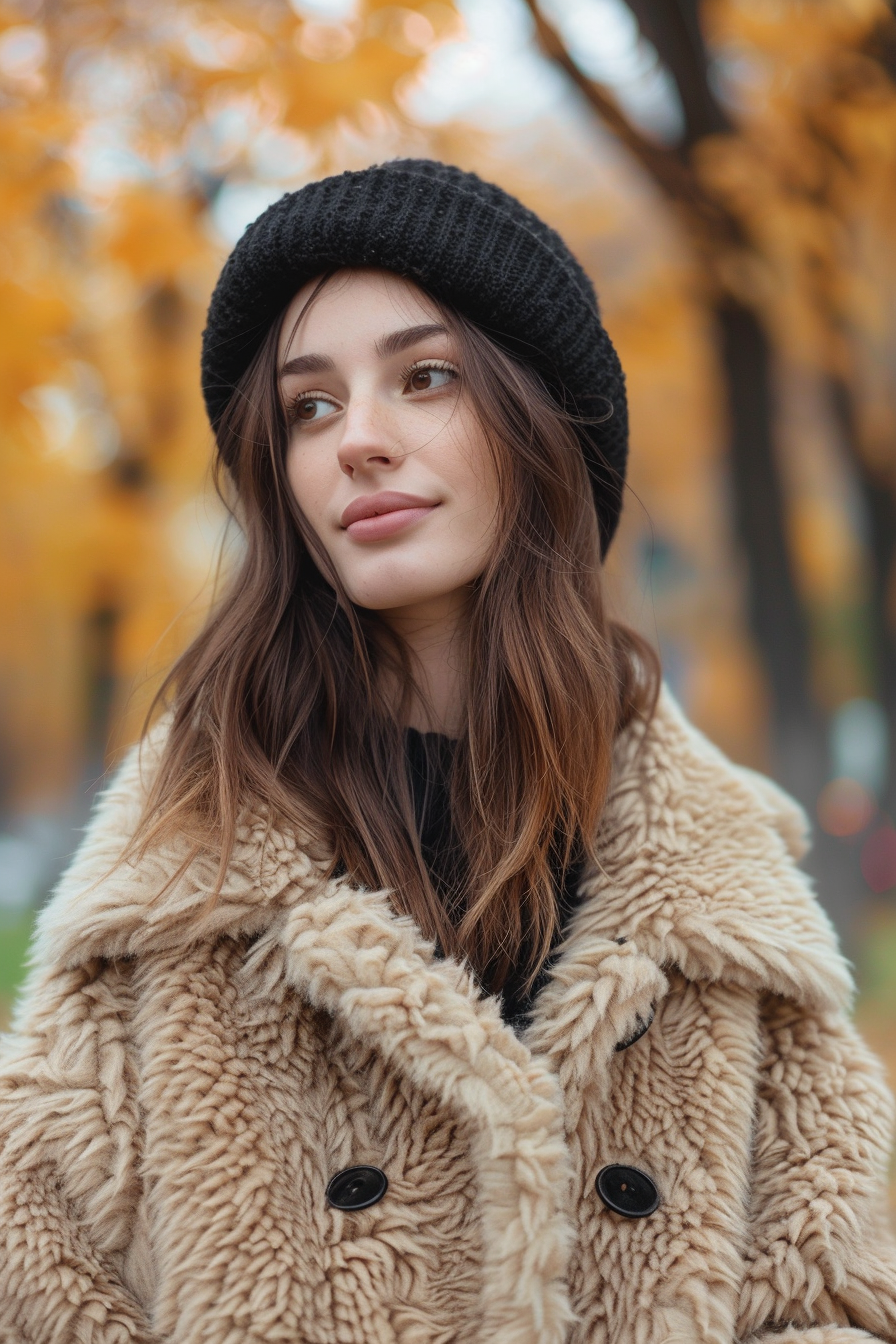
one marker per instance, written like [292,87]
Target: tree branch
[659,162]
[709,222]
[673,26]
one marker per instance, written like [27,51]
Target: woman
[426,978]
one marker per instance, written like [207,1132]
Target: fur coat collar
[696,863]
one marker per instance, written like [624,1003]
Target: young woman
[426,978]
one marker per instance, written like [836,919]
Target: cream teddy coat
[182,1083]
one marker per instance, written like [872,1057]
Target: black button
[644,1024]
[627,1191]
[357,1188]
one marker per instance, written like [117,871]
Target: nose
[369,442]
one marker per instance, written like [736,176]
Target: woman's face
[386,459]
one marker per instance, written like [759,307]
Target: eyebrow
[393,344]
[400,340]
[307,364]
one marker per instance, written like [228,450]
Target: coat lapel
[696,871]
[697,866]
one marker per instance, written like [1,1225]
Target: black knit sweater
[429,758]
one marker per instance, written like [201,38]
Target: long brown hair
[282,698]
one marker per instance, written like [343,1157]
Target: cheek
[307,479]
[470,470]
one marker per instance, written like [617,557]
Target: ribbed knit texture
[467,242]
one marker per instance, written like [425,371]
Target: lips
[371,517]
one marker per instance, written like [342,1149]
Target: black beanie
[469,244]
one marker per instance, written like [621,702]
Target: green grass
[876,963]
[15,934]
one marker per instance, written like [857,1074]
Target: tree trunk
[775,611]
[880,516]
[880,508]
[100,630]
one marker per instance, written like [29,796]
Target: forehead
[363,301]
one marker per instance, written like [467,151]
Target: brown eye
[310,408]
[428,377]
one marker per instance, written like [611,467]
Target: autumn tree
[739,188]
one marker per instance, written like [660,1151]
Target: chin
[396,584]
[396,599]
[412,590]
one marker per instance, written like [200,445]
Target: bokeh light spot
[878,860]
[845,807]
[325,41]
[23,50]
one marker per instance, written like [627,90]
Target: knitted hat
[469,244]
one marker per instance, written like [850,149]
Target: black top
[430,756]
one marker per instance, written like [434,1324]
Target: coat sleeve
[822,1263]
[71,1266]
[69,1149]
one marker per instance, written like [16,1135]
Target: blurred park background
[725,170]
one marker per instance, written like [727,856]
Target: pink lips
[372,517]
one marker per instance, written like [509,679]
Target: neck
[432,633]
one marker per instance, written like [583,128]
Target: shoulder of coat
[672,754]
[698,861]
[108,906]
